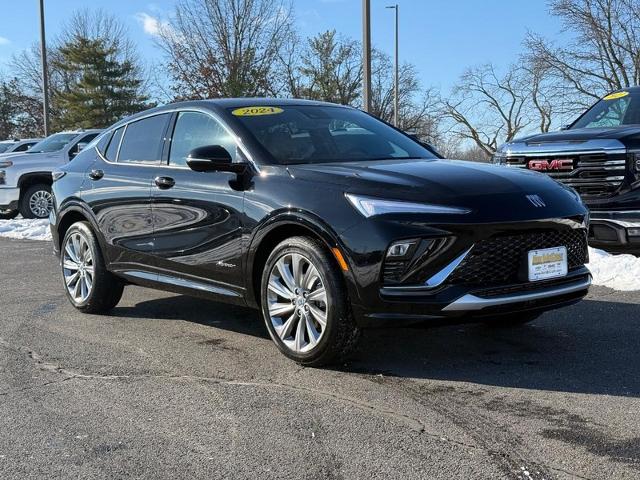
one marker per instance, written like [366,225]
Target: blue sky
[440,37]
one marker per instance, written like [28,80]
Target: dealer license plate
[547,263]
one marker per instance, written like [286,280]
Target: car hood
[477,186]
[22,156]
[582,134]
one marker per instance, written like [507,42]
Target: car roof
[224,103]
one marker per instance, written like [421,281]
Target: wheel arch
[279,228]
[73,213]
[33,178]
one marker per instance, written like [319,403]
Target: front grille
[502,259]
[592,174]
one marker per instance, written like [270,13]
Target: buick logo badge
[536,200]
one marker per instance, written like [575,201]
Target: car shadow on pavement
[592,347]
[196,310]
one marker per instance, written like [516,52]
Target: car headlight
[371,206]
[5,164]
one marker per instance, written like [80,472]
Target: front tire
[36,201]
[89,286]
[305,305]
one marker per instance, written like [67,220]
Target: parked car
[322,216]
[25,178]
[15,146]
[599,156]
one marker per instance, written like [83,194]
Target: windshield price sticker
[616,95]
[255,111]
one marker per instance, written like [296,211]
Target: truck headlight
[371,206]
[499,158]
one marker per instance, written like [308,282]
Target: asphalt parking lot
[173,387]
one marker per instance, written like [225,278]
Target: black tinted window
[142,142]
[316,134]
[195,129]
[114,143]
[24,147]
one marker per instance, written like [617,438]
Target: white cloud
[4,41]
[150,24]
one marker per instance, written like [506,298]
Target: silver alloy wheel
[297,302]
[77,267]
[41,203]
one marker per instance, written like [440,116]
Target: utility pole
[396,88]
[366,54]
[45,76]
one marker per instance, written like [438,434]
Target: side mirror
[213,158]
[564,127]
[77,149]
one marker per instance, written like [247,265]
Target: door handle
[96,174]
[165,183]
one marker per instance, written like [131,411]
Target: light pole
[366,55]
[396,81]
[45,76]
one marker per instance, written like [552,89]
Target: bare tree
[604,54]
[416,107]
[486,108]
[226,48]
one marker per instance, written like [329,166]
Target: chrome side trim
[180,282]
[437,279]
[469,302]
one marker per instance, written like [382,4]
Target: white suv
[25,178]
[8,147]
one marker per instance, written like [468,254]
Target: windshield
[4,147]
[53,143]
[319,134]
[614,110]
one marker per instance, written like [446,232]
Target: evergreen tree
[102,89]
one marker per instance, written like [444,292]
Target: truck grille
[592,174]
[502,259]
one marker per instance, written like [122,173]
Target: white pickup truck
[25,178]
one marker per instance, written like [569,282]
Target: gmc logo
[542,165]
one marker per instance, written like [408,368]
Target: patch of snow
[25,229]
[620,272]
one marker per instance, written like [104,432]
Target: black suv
[599,156]
[322,216]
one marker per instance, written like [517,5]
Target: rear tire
[36,201]
[89,286]
[305,304]
[8,214]
[512,320]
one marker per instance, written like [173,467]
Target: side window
[112,150]
[142,142]
[101,146]
[24,147]
[195,129]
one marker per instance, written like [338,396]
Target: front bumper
[9,198]
[458,303]
[616,231]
